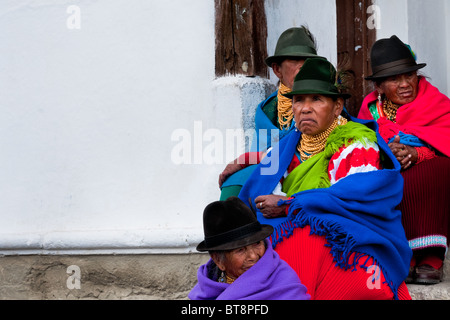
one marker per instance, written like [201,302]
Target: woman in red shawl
[414,118]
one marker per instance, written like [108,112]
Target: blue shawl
[357,214]
[409,140]
[264,123]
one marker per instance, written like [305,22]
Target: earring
[339,120]
[380,100]
[222,278]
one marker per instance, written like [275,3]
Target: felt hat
[390,57]
[294,43]
[230,224]
[317,76]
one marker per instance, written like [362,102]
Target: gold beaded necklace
[312,145]
[229,279]
[285,112]
[224,278]
[390,110]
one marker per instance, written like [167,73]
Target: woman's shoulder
[357,156]
[350,133]
[270,109]
[352,124]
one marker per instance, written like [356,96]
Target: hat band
[232,235]
[296,50]
[315,86]
[398,63]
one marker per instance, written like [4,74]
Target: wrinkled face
[314,113]
[400,89]
[239,260]
[287,70]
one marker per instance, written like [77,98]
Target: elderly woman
[243,265]
[414,118]
[332,201]
[273,115]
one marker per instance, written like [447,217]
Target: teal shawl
[266,133]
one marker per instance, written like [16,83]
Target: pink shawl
[427,117]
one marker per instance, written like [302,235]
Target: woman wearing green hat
[332,201]
[275,113]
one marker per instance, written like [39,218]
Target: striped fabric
[428,241]
[357,157]
[425,205]
[354,158]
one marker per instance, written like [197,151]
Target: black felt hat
[390,57]
[230,224]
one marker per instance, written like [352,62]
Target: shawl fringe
[340,242]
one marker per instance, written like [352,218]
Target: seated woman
[273,117]
[414,118]
[332,201]
[243,265]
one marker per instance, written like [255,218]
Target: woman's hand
[231,168]
[406,155]
[243,161]
[268,205]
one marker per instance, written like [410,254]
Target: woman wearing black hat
[414,118]
[243,264]
[332,200]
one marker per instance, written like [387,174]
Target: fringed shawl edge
[340,242]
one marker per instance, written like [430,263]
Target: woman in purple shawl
[243,265]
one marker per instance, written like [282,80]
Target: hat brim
[321,92]
[272,59]
[395,72]
[266,230]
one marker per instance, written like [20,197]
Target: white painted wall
[394,19]
[87,120]
[319,16]
[427,27]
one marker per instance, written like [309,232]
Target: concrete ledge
[125,277]
[142,241]
[440,291]
[103,277]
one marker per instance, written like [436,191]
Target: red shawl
[427,117]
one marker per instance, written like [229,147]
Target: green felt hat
[294,43]
[317,76]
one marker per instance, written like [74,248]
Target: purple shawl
[269,279]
